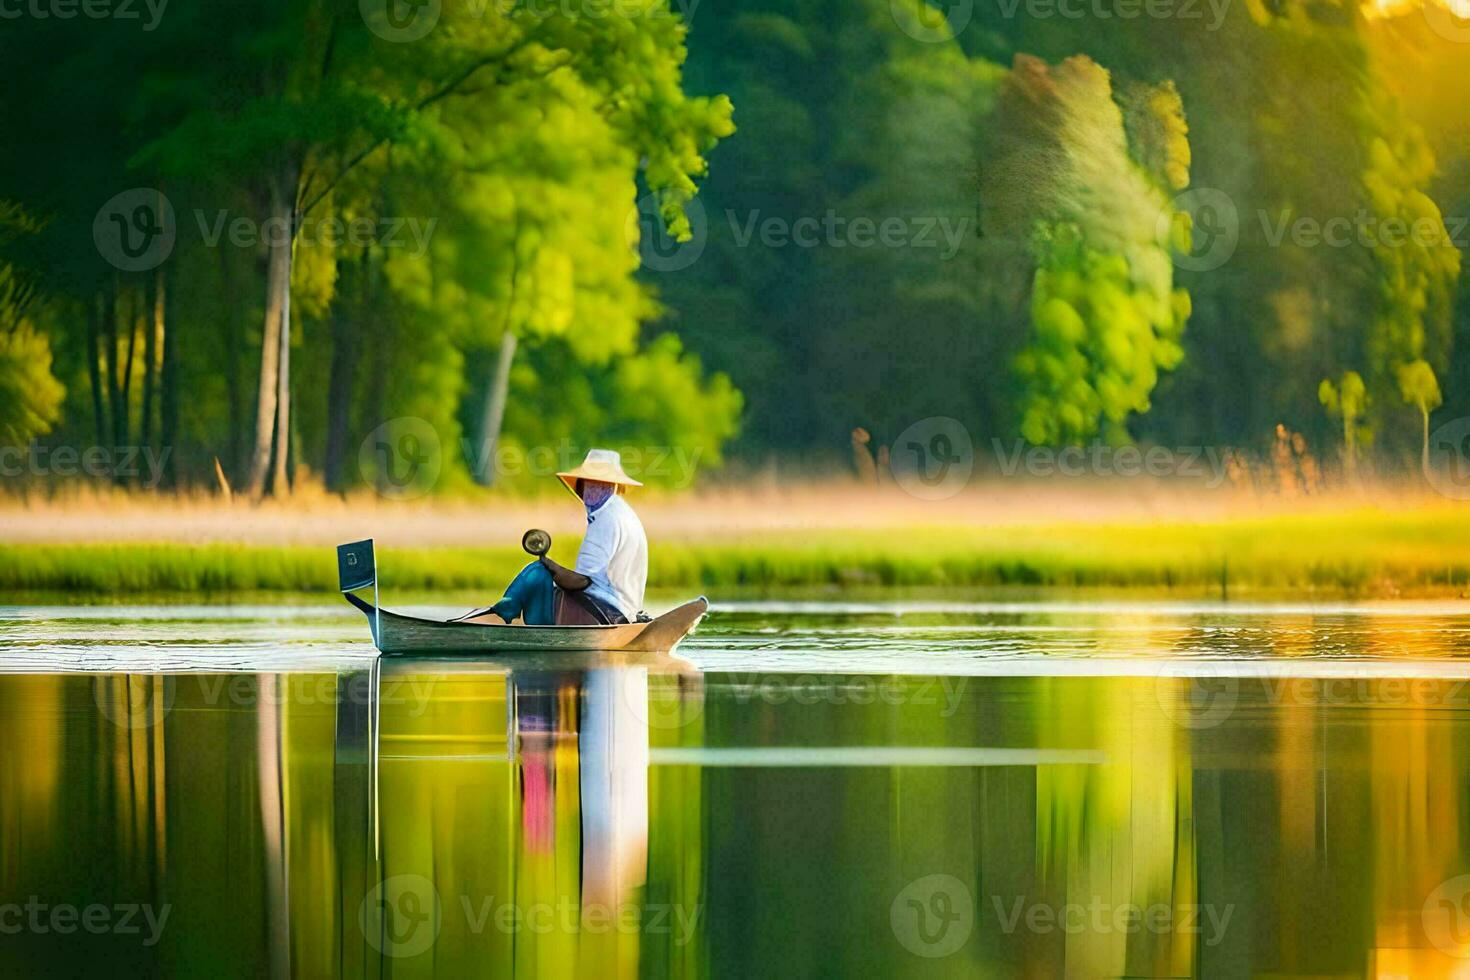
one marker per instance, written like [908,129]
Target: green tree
[1105,315]
[1420,388]
[30,398]
[1348,401]
[303,94]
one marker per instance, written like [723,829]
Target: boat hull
[398,635]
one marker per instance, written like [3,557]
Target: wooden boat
[396,634]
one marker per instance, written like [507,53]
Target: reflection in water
[615,817]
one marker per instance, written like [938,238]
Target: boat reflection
[511,813]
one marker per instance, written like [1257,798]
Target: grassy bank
[1370,553]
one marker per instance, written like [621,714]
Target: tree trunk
[339,396]
[1424,454]
[127,373]
[116,407]
[169,393]
[281,478]
[278,284]
[94,368]
[232,325]
[154,330]
[495,410]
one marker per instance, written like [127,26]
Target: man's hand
[565,578]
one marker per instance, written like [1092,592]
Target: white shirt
[614,556]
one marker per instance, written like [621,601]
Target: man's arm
[565,578]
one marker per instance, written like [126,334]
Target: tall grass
[1368,553]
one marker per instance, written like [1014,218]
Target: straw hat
[601,464]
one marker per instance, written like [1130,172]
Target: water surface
[941,789]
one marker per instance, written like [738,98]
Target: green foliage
[1105,315]
[1348,400]
[1417,266]
[1419,387]
[526,133]
[1409,550]
[30,398]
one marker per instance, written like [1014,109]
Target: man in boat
[606,586]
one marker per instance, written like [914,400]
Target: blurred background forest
[255,235]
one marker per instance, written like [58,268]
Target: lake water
[924,790]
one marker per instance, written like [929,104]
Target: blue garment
[530,595]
